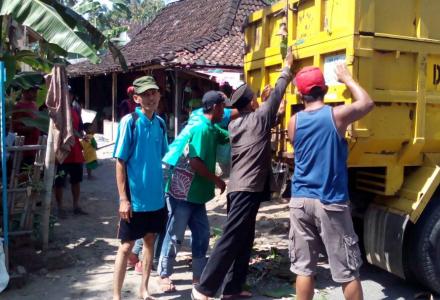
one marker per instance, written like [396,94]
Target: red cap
[130,90]
[308,78]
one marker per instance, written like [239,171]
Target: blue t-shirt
[142,149]
[320,158]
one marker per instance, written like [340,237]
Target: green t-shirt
[203,144]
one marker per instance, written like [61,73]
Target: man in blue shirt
[319,207]
[141,143]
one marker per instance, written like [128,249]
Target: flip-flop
[242,295]
[194,297]
[166,287]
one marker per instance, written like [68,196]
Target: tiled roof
[187,32]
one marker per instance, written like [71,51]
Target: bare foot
[145,295]
[166,285]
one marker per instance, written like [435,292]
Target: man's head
[244,99]
[88,128]
[130,92]
[227,89]
[30,94]
[213,104]
[146,93]
[311,84]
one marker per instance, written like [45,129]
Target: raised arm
[271,106]
[344,115]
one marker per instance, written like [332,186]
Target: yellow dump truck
[392,48]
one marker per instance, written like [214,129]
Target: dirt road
[79,264]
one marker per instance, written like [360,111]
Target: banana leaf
[26,80]
[34,61]
[85,7]
[60,25]
[40,123]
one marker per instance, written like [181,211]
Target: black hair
[208,109]
[316,93]
[87,126]
[227,89]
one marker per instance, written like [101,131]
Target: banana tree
[57,25]
[60,31]
[103,18]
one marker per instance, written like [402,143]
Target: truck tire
[425,242]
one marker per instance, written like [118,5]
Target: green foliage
[46,21]
[144,11]
[58,25]
[26,80]
[112,21]
[103,18]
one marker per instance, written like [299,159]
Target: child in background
[89,150]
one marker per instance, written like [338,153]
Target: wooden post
[176,103]
[49,174]
[86,92]
[114,100]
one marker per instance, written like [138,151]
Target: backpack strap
[134,116]
[162,125]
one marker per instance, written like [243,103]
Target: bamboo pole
[49,174]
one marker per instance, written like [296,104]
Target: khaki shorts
[314,225]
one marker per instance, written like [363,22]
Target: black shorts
[142,223]
[74,170]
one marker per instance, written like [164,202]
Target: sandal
[166,285]
[241,295]
[194,297]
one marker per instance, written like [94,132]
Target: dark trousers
[229,260]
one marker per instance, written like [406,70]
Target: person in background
[196,99]
[226,89]
[128,105]
[89,150]
[76,106]
[26,107]
[72,166]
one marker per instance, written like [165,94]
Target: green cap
[144,83]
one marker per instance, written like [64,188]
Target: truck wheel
[426,245]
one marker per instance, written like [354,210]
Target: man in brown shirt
[248,187]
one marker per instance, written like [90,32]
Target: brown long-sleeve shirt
[250,142]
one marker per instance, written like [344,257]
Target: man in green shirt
[205,136]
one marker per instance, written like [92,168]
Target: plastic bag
[4,276]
